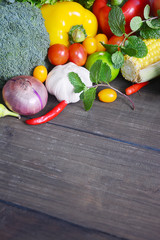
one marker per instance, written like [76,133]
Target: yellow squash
[62,16]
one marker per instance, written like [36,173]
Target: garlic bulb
[58,84]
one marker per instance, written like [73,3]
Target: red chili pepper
[49,116]
[135,87]
[130,9]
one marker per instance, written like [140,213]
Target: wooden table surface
[84,175]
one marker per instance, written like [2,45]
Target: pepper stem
[5,112]
[77,34]
[118,2]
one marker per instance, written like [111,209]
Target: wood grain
[18,223]
[98,169]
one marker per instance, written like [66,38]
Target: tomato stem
[109,86]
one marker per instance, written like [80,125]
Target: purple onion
[25,95]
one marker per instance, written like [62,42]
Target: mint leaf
[129,51]
[82,95]
[88,98]
[100,72]
[117,59]
[95,71]
[137,44]
[110,47]
[146,11]
[146,32]
[154,24]
[105,73]
[76,82]
[117,21]
[135,23]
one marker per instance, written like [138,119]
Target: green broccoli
[24,41]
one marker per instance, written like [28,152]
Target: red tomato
[58,54]
[155,5]
[115,40]
[77,54]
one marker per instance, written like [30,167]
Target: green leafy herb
[134,42]
[110,47]
[100,72]
[153,23]
[94,73]
[147,32]
[129,51]
[117,21]
[117,59]
[147,12]
[75,80]
[88,98]
[136,23]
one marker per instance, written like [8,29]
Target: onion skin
[25,95]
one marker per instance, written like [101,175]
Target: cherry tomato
[101,38]
[58,54]
[115,40]
[107,95]
[77,54]
[90,44]
[40,72]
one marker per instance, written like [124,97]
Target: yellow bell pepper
[62,16]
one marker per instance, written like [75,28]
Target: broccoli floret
[24,41]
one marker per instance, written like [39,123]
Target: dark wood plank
[17,223]
[112,187]
[98,169]
[117,119]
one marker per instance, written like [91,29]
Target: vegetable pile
[71,48]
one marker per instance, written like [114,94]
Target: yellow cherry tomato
[40,72]
[101,38]
[107,95]
[90,45]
